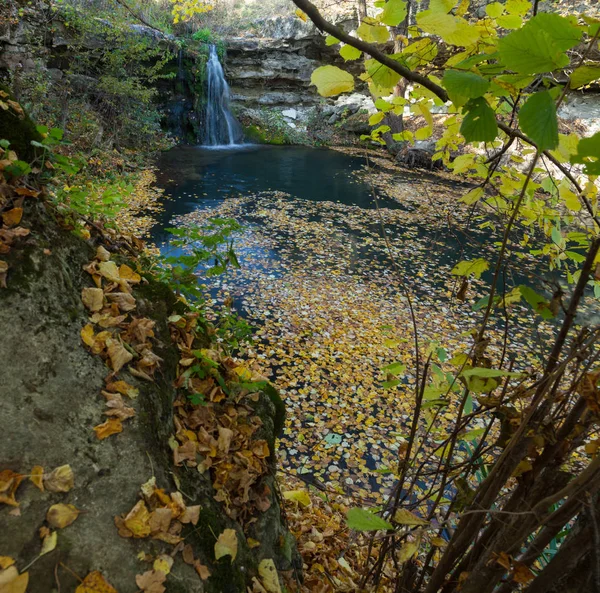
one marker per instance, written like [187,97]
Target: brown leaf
[6,561]
[61,479]
[123,388]
[9,482]
[188,554]
[186,452]
[521,573]
[12,217]
[202,570]
[151,581]
[123,300]
[160,520]
[108,428]
[61,515]
[3,273]
[93,298]
[224,441]
[191,515]
[116,406]
[118,354]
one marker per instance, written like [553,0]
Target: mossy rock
[19,131]
[262,136]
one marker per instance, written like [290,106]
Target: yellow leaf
[523,467]
[300,496]
[331,81]
[95,583]
[49,543]
[109,270]
[60,480]
[138,520]
[226,545]
[301,15]
[87,335]
[9,482]
[93,298]
[163,563]
[61,515]
[268,576]
[126,273]
[404,517]
[407,551]
[18,584]
[438,542]
[108,428]
[12,217]
[6,561]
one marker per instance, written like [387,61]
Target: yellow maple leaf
[95,583]
[226,545]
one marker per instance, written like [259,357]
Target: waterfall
[220,127]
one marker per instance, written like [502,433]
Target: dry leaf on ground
[95,583]
[60,479]
[227,545]
[61,515]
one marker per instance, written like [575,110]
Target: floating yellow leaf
[268,576]
[61,515]
[61,479]
[95,583]
[227,545]
[108,428]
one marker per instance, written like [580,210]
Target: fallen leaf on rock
[3,272]
[226,544]
[95,583]
[109,270]
[191,515]
[9,482]
[138,520]
[188,554]
[60,479]
[12,217]
[163,564]
[102,254]
[116,406]
[6,561]
[118,354]
[123,300]
[93,298]
[87,335]
[186,452]
[61,515]
[202,570]
[108,428]
[160,520]
[151,581]
[126,273]
[37,476]
[123,388]
[49,543]
[13,582]
[268,576]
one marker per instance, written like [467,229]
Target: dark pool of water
[194,175]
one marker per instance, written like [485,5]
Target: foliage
[499,81]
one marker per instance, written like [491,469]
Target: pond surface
[325,287]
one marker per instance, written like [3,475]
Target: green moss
[19,131]
[262,136]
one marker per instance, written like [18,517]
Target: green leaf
[473,196]
[538,120]
[331,81]
[583,75]
[531,50]
[494,10]
[479,123]
[464,85]
[488,373]
[474,267]
[588,154]
[444,6]
[384,79]
[564,33]
[350,53]
[361,520]
[538,303]
[395,368]
[452,29]
[331,40]
[394,12]
[373,33]
[419,53]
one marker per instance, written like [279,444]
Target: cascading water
[220,126]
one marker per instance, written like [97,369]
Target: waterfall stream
[220,126]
